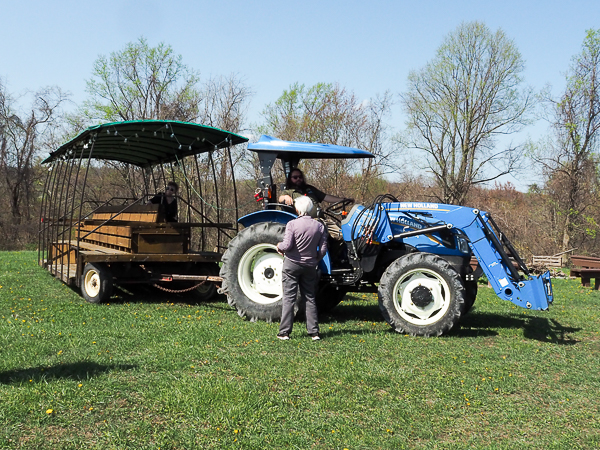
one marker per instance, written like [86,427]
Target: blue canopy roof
[305,150]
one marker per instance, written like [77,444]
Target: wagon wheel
[96,283]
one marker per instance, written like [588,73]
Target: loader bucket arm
[497,257]
[493,250]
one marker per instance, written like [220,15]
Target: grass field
[151,371]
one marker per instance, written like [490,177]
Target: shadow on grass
[74,371]
[367,312]
[144,293]
[475,324]
[537,328]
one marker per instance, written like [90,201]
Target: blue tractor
[416,256]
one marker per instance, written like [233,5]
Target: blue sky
[366,46]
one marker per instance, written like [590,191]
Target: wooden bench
[133,213]
[135,229]
[590,268]
[588,262]
[586,275]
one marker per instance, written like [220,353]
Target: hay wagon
[101,223]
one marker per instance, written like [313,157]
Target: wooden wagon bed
[118,234]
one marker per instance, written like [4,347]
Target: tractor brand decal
[407,223]
[412,205]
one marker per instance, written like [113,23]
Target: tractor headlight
[463,245]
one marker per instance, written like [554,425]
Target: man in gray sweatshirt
[304,245]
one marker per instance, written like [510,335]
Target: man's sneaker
[283,337]
[315,337]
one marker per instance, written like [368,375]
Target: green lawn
[151,371]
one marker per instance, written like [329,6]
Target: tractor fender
[282,217]
[266,215]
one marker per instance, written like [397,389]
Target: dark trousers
[295,276]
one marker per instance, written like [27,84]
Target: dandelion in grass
[49,411]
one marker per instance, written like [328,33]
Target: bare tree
[330,114]
[22,135]
[461,103]
[142,82]
[570,159]
[224,102]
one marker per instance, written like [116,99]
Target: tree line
[463,110]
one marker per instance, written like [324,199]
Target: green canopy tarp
[145,142]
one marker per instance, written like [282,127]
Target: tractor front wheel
[421,294]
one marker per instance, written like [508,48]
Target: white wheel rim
[92,283]
[440,293]
[259,274]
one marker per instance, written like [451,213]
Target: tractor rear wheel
[421,294]
[252,271]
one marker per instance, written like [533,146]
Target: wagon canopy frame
[150,153]
[145,143]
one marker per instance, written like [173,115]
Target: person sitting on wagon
[295,186]
[168,198]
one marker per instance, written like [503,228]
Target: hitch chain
[178,291]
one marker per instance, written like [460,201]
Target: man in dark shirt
[304,245]
[295,186]
[169,200]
